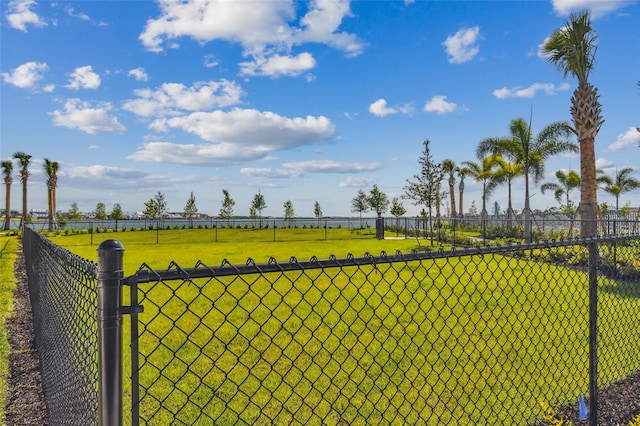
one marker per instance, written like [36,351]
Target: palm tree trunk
[527,210]
[461,189]
[7,208]
[509,210]
[452,196]
[50,207]
[23,219]
[588,188]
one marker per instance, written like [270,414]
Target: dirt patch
[25,399]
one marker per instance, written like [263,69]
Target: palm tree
[529,152]
[622,183]
[505,174]
[7,169]
[51,170]
[561,189]
[462,173]
[24,160]
[483,173]
[449,167]
[572,50]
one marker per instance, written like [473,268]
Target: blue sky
[301,101]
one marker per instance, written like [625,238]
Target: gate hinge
[128,310]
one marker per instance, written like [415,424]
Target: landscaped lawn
[8,251]
[465,340]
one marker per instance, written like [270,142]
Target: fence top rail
[71,258]
[200,270]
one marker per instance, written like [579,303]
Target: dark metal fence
[62,288]
[472,336]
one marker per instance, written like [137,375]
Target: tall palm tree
[622,183]
[484,173]
[450,169]
[24,160]
[506,173]
[7,170]
[51,170]
[572,50]
[530,152]
[462,173]
[562,189]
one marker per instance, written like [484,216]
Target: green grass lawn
[465,340]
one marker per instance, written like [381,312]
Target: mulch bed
[618,404]
[25,399]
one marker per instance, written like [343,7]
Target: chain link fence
[467,336]
[62,287]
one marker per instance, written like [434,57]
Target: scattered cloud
[236,136]
[261,28]
[628,139]
[462,46]
[20,15]
[83,78]
[139,74]
[278,65]
[26,75]
[439,105]
[71,12]
[379,108]
[210,61]
[302,168]
[529,92]
[80,115]
[356,182]
[597,8]
[171,98]
[604,164]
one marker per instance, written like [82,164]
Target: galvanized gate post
[110,277]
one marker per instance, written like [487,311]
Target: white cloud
[379,108]
[598,8]
[138,74]
[26,75]
[603,163]
[71,12]
[356,182]
[100,172]
[20,15]
[84,78]
[261,28]
[210,61]
[237,136]
[439,105]
[80,115]
[170,98]
[462,46]
[628,139]
[277,65]
[529,92]
[301,168]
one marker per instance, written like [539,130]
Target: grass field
[465,340]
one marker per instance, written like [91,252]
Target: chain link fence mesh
[62,287]
[463,337]
[477,336]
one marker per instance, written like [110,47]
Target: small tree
[226,212]
[150,209]
[378,201]
[360,204]
[317,211]
[161,205]
[258,204]
[288,211]
[116,212]
[101,211]
[425,188]
[190,209]
[74,213]
[397,209]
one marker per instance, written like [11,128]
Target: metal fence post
[110,276]
[593,333]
